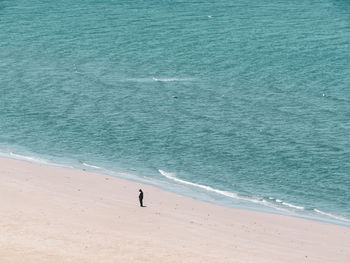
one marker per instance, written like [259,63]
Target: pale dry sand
[50,214]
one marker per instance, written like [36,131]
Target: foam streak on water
[332,216]
[227,194]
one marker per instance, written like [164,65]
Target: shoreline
[55,214]
[249,203]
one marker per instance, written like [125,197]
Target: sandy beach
[52,214]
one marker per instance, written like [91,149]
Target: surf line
[221,192]
[208,188]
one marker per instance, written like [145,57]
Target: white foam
[29,158]
[279,201]
[93,166]
[167,79]
[293,206]
[221,192]
[331,215]
[104,169]
[208,188]
[145,80]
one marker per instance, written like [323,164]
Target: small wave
[208,188]
[93,166]
[331,215]
[145,80]
[29,158]
[293,206]
[104,170]
[278,201]
[167,79]
[221,192]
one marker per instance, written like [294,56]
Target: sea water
[240,103]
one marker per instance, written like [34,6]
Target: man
[141,198]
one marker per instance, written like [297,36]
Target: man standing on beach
[141,198]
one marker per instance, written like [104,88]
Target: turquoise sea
[240,103]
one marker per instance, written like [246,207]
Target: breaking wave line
[331,215]
[221,192]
